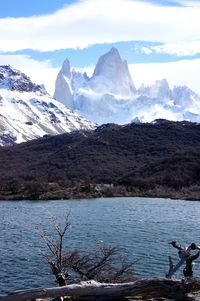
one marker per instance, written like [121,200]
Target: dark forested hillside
[160,159]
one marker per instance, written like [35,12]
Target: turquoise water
[141,227]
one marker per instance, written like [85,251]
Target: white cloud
[178,49]
[184,72]
[89,22]
[144,49]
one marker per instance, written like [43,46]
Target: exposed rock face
[15,80]
[63,90]
[111,75]
[28,111]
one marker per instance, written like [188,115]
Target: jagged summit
[111,80]
[183,95]
[15,80]
[63,91]
[108,62]
[114,51]
[110,96]
[111,75]
[160,89]
[66,68]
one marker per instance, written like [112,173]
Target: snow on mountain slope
[110,95]
[27,111]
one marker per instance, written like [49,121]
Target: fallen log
[158,287]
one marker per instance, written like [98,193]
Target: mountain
[111,75]
[146,159]
[110,95]
[28,112]
[63,90]
[105,97]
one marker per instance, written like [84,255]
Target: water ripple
[142,227]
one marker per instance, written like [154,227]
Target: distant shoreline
[173,196]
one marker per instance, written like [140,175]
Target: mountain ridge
[109,95]
[159,159]
[28,111]
[15,80]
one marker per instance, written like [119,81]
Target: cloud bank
[178,73]
[178,49]
[88,22]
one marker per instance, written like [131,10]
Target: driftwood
[160,287]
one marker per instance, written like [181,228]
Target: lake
[142,227]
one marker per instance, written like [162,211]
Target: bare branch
[50,243]
[55,243]
[103,264]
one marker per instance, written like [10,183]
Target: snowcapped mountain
[110,95]
[111,75]
[27,111]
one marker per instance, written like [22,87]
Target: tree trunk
[160,287]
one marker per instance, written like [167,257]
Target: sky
[158,38]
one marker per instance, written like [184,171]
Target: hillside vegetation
[160,159]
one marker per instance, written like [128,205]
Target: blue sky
[89,55]
[24,8]
[38,35]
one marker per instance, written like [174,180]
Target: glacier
[110,96]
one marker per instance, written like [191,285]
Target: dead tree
[55,244]
[103,264]
[150,288]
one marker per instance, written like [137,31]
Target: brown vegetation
[159,160]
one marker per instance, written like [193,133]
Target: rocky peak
[182,95]
[110,96]
[66,68]
[182,92]
[160,90]
[15,80]
[111,75]
[79,80]
[63,88]
[108,63]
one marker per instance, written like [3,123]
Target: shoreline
[57,197]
